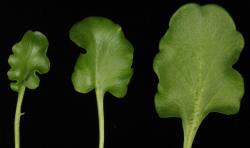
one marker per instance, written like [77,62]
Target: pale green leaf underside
[194,65]
[29,56]
[107,63]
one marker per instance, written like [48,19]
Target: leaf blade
[194,66]
[29,57]
[107,63]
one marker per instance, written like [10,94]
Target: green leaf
[194,67]
[107,63]
[106,67]
[29,57]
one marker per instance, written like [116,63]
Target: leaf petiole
[190,130]
[18,116]
[99,101]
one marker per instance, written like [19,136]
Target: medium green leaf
[194,67]
[107,63]
[106,67]
[29,57]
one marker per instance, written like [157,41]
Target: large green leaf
[29,57]
[194,67]
[107,63]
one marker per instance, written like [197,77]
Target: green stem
[190,130]
[99,100]
[18,116]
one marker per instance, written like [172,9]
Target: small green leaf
[107,63]
[29,57]
[106,67]
[194,67]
